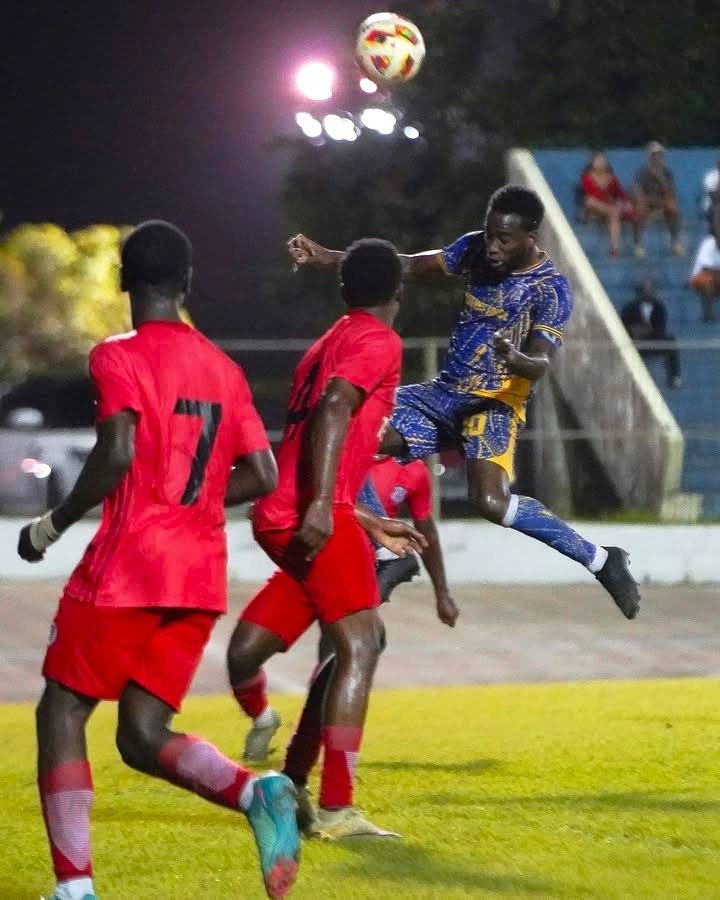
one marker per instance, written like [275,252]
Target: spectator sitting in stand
[645,319]
[655,193]
[604,198]
[705,273]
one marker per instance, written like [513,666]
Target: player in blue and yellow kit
[516,307]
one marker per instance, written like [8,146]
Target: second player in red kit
[342,396]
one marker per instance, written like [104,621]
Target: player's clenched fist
[316,529]
[304,251]
[36,537]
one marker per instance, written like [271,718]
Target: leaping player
[516,307]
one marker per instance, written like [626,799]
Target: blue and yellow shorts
[432,418]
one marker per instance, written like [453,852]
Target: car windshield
[63,403]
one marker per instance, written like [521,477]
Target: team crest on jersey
[398,495]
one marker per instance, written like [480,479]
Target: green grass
[606,790]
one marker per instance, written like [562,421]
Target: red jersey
[161,541]
[396,484]
[367,353]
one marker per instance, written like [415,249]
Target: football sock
[265,718]
[197,766]
[252,694]
[75,889]
[304,747]
[341,746]
[66,796]
[530,517]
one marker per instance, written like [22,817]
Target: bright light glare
[379,120]
[308,124]
[368,86]
[315,81]
[34,467]
[339,128]
[411,132]
[42,470]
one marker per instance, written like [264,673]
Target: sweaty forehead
[504,223]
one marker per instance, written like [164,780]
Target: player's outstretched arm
[104,469]
[254,475]
[306,252]
[434,563]
[396,536]
[328,430]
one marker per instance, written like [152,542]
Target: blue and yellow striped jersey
[538,300]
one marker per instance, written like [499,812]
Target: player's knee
[491,506]
[60,706]
[136,746]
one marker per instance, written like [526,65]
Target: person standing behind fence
[705,275]
[645,319]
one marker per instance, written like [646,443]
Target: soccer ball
[389,48]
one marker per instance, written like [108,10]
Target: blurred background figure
[645,319]
[711,191]
[705,274]
[655,194]
[604,199]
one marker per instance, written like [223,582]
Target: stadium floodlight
[379,120]
[308,124]
[368,86]
[411,132]
[339,128]
[315,80]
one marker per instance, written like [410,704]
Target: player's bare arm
[306,252]
[104,469]
[328,430]
[398,537]
[254,475]
[447,609]
[531,363]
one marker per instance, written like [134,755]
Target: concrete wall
[475,553]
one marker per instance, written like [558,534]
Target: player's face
[509,244]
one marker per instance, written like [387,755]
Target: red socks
[66,795]
[341,744]
[197,766]
[252,694]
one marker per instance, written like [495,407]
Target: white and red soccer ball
[389,49]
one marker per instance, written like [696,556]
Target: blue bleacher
[696,405]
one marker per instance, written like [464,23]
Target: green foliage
[59,294]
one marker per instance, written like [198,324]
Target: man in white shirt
[705,275]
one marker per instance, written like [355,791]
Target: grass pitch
[606,790]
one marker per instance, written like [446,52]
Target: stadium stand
[696,406]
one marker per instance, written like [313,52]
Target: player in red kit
[174,416]
[341,398]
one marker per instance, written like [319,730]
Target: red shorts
[97,650]
[338,582]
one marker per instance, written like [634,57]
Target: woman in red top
[605,198]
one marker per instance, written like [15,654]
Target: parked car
[46,432]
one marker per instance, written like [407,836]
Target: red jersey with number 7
[364,351]
[161,542]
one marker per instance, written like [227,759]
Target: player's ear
[188,282]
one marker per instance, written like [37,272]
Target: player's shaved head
[513,199]
[156,255]
[370,273]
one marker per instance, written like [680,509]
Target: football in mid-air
[389,48]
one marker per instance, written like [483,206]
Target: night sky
[123,111]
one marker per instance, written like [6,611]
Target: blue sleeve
[454,255]
[553,305]
[368,495]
